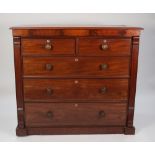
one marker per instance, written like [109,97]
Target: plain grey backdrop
[145,98]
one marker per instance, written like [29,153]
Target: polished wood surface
[38,46]
[42,31]
[115,47]
[19,84]
[71,130]
[74,114]
[133,80]
[75,89]
[76,67]
[75,80]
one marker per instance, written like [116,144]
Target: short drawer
[51,90]
[48,46]
[76,67]
[75,114]
[104,47]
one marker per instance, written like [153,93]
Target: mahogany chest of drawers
[75,80]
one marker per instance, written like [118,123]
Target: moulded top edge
[76,27]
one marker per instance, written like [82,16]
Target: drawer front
[76,67]
[104,47]
[75,89]
[48,46]
[75,114]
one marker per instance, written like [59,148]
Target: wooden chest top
[27,31]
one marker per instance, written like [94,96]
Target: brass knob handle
[49,114]
[101,113]
[49,67]
[49,91]
[104,47]
[103,90]
[103,66]
[48,45]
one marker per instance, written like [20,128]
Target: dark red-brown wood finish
[75,80]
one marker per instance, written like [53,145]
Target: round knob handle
[49,114]
[103,66]
[104,47]
[101,113]
[48,46]
[103,90]
[49,91]
[49,67]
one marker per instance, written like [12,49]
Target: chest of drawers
[75,80]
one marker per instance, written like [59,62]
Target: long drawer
[75,114]
[75,89]
[76,67]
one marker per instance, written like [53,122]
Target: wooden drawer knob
[104,47]
[50,114]
[48,45]
[103,66]
[101,114]
[103,90]
[49,67]
[49,91]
